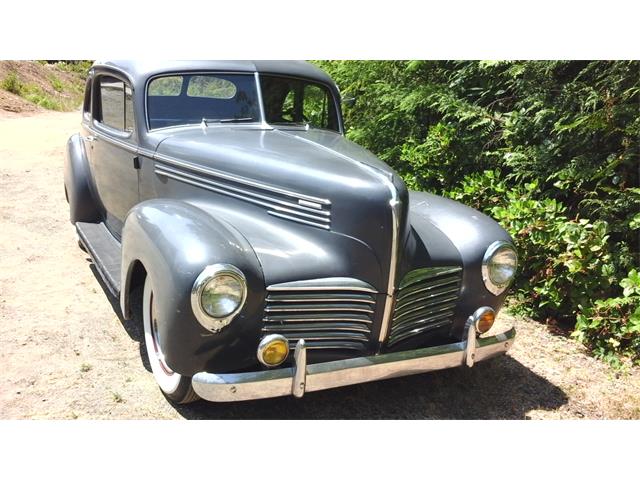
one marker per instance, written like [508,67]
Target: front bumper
[301,378]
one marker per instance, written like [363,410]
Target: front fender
[175,241]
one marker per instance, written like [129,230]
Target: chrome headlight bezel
[212,323]
[494,248]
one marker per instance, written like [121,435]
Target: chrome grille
[426,300]
[280,203]
[328,313]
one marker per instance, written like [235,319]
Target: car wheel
[176,387]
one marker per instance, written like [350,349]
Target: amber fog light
[273,350]
[483,319]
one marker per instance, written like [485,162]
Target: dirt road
[66,354]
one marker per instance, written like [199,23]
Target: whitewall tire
[176,387]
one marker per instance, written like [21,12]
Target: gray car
[273,256]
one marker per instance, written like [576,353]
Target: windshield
[194,98]
[289,101]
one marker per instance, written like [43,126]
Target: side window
[86,105]
[116,104]
[315,108]
[298,102]
[129,124]
[287,107]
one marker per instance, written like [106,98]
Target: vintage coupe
[273,255]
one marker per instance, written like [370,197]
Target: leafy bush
[80,67]
[37,95]
[566,264]
[612,326]
[565,137]
[57,84]
[11,83]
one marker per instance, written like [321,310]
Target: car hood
[274,156]
[356,185]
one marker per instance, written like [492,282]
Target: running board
[105,251]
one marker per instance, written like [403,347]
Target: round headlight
[499,266]
[217,296]
[222,295]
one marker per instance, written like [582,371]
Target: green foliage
[57,84]
[11,83]
[550,149]
[81,67]
[37,95]
[612,325]
[565,263]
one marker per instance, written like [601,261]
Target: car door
[113,148]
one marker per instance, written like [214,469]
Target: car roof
[139,71]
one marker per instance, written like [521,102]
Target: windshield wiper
[207,121]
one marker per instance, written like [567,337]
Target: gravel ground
[66,353]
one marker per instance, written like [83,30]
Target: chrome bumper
[301,378]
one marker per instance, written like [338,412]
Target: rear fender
[84,202]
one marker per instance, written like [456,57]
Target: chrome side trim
[233,178]
[162,169]
[321,376]
[113,141]
[299,220]
[275,206]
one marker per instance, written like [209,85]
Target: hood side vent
[296,207]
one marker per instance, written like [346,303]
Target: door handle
[90,138]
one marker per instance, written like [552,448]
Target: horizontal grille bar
[328,313]
[319,307]
[297,209]
[426,301]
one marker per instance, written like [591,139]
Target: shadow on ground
[500,388]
